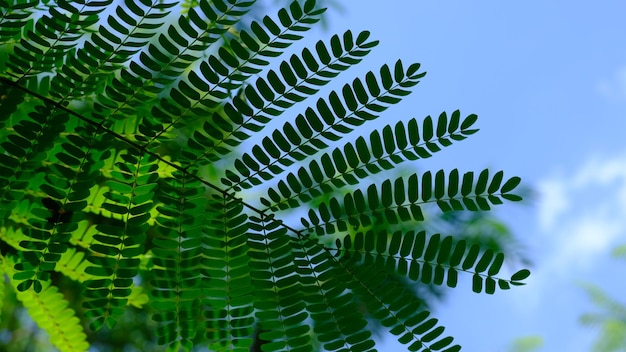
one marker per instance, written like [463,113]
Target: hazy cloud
[554,201]
[583,214]
[581,217]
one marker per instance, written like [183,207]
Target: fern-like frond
[278,302]
[24,149]
[117,246]
[50,311]
[356,161]
[401,201]
[228,322]
[244,116]
[397,309]
[73,264]
[177,263]
[73,172]
[431,260]
[314,129]
[55,36]
[225,73]
[14,17]
[325,285]
[161,63]
[128,30]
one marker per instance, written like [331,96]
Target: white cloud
[582,240]
[581,218]
[582,215]
[600,171]
[553,203]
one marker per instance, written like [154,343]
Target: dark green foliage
[122,169]
[429,260]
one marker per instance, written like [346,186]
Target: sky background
[548,82]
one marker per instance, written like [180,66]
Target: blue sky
[548,82]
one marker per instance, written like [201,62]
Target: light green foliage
[50,311]
[620,252]
[611,320]
[526,344]
[122,169]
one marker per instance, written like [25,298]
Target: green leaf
[322,52]
[385,75]
[477,283]
[481,183]
[433,247]
[398,71]
[426,186]
[440,184]
[484,261]
[468,122]
[427,128]
[511,197]
[496,180]
[520,275]
[510,184]
[471,257]
[495,267]
[259,32]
